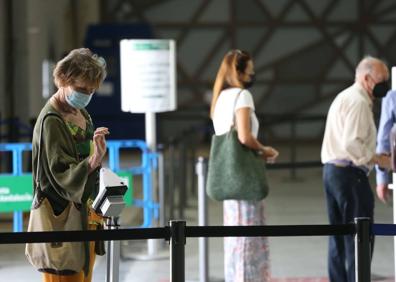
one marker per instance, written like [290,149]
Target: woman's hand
[99,142]
[270,154]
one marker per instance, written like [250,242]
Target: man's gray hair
[366,65]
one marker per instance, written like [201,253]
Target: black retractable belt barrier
[177,232]
[88,235]
[269,231]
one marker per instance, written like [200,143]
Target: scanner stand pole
[113,253]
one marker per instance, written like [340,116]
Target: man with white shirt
[348,155]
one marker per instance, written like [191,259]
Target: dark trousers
[348,195]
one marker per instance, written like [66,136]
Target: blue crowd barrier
[148,164]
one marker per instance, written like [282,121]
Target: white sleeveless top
[224,112]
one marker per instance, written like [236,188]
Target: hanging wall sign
[148,75]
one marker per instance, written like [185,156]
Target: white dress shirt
[350,130]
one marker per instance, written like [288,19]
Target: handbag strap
[36,180]
[233,109]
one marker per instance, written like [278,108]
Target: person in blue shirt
[388,118]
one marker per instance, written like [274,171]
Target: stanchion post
[113,253]
[177,244]
[201,171]
[362,250]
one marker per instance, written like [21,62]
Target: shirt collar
[365,95]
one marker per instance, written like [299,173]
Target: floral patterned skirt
[246,259]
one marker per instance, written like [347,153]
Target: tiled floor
[293,259]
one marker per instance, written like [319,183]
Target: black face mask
[380,89]
[250,83]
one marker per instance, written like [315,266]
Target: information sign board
[148,75]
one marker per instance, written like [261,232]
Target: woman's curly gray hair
[80,65]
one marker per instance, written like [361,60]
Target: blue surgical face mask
[78,100]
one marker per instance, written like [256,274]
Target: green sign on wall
[16,192]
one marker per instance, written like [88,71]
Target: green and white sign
[16,193]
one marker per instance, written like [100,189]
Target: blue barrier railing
[148,164]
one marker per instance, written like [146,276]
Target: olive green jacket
[62,177]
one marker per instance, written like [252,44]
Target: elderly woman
[246,259]
[71,152]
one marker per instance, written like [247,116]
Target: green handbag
[235,171]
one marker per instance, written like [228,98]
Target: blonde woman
[246,259]
[71,149]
